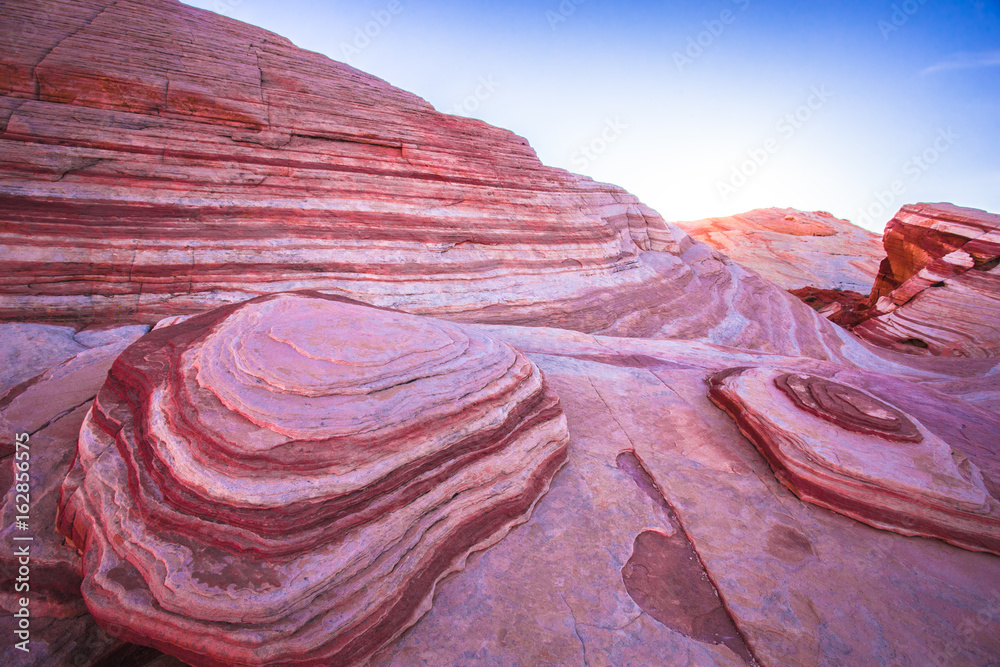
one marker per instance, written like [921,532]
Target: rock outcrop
[938,289]
[219,162]
[286,480]
[795,249]
[44,413]
[263,480]
[843,449]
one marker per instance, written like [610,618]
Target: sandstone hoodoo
[938,289]
[286,480]
[843,449]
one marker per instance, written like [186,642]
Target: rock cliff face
[217,162]
[275,475]
[938,289]
[795,249]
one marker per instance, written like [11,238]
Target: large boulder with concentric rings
[839,447]
[284,481]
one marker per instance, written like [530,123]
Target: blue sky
[701,109]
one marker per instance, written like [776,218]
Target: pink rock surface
[219,162]
[795,249]
[843,449]
[801,584]
[234,456]
[938,290]
[284,481]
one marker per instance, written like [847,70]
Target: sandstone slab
[843,449]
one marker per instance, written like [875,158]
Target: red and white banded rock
[219,162]
[938,290]
[841,448]
[284,481]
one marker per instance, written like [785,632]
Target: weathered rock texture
[938,289]
[159,160]
[795,249]
[860,456]
[220,162]
[286,480]
[46,411]
[842,307]
[584,581]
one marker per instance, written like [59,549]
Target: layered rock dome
[841,448]
[285,481]
[219,162]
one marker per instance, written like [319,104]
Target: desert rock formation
[938,289]
[286,480]
[795,249]
[498,370]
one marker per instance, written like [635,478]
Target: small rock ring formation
[847,407]
[841,448]
[284,481]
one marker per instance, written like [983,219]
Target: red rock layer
[843,449]
[938,290]
[284,481]
[841,307]
[218,162]
[795,249]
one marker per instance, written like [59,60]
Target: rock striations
[795,249]
[938,289]
[843,449]
[284,482]
[218,162]
[381,331]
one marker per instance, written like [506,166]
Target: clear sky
[701,109]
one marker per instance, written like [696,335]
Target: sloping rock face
[218,162]
[860,456]
[795,249]
[285,481]
[938,289]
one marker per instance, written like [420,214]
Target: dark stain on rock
[628,462]
[788,545]
[126,576]
[666,579]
